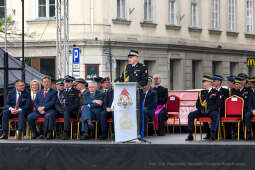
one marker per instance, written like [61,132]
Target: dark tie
[18,101]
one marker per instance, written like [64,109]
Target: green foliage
[8,20]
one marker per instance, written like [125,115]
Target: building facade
[180,40]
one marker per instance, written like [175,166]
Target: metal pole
[5,26]
[110,58]
[23,48]
[6,76]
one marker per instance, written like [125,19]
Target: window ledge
[232,33]
[249,35]
[40,20]
[121,21]
[148,24]
[214,31]
[195,29]
[173,27]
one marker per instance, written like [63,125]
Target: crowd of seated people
[90,102]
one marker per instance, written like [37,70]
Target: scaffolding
[62,41]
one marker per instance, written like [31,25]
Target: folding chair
[173,109]
[233,113]
[109,121]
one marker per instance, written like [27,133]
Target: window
[194,14]
[215,14]
[121,9]
[173,12]
[46,8]
[249,16]
[148,10]
[232,15]
[91,71]
[47,66]
[2,8]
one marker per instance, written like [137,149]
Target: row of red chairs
[60,120]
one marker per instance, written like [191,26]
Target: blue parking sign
[76,55]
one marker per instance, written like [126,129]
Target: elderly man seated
[91,110]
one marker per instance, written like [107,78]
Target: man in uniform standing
[134,71]
[68,104]
[207,106]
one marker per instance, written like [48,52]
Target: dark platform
[168,152]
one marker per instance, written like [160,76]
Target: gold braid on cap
[206,79]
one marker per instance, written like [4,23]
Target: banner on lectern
[125,119]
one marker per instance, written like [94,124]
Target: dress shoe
[19,137]
[85,137]
[50,137]
[66,136]
[207,137]
[189,138]
[102,138]
[42,137]
[4,136]
[34,135]
[212,138]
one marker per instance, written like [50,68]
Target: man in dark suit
[68,105]
[44,107]
[92,107]
[149,102]
[107,106]
[17,105]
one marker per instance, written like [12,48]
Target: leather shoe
[4,136]
[66,136]
[189,138]
[85,137]
[50,137]
[102,137]
[207,137]
[19,136]
[34,135]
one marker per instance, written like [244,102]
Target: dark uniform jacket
[151,98]
[138,73]
[210,98]
[25,100]
[162,93]
[223,95]
[68,101]
[108,99]
[251,104]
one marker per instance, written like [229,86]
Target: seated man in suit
[17,105]
[149,101]
[107,107]
[44,107]
[68,104]
[92,107]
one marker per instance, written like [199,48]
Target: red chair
[233,112]
[72,120]
[78,127]
[203,120]
[173,109]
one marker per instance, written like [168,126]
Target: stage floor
[164,152]
[172,139]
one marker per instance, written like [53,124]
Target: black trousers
[248,117]
[67,115]
[196,114]
[104,117]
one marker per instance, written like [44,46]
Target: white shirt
[83,90]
